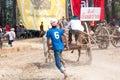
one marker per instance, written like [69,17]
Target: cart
[113,35]
[102,36]
[82,47]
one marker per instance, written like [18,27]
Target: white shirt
[119,29]
[11,35]
[75,25]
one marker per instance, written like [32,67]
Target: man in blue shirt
[55,35]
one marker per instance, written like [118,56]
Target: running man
[55,34]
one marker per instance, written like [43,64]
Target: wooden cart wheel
[102,37]
[115,39]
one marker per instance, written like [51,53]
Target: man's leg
[61,59]
[58,62]
[70,36]
[10,42]
[76,32]
[76,37]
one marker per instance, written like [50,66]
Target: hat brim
[54,24]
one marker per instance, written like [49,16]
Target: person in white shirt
[11,35]
[75,27]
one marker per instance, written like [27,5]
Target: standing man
[75,27]
[92,25]
[41,27]
[42,32]
[11,35]
[55,35]
[7,27]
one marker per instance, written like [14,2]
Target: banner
[100,3]
[85,3]
[33,12]
[90,13]
[75,6]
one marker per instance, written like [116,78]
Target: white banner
[90,13]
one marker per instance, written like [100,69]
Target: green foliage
[117,9]
[7,10]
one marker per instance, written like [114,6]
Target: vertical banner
[75,6]
[100,3]
[33,12]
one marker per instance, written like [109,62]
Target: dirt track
[30,65]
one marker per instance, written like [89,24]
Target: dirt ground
[30,65]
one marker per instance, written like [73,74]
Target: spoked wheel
[115,38]
[102,37]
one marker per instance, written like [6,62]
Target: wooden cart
[83,47]
[113,34]
[100,37]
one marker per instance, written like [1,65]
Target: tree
[113,9]
[14,13]
[0,12]
[107,10]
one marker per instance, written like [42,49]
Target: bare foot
[65,76]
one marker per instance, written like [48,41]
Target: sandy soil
[30,65]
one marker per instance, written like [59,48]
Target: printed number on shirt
[56,34]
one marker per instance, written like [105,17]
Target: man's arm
[14,36]
[68,26]
[7,33]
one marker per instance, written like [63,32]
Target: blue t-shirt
[55,35]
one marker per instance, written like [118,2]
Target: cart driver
[75,27]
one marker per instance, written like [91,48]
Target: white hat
[12,29]
[54,22]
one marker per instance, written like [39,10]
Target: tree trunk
[107,10]
[14,13]
[113,9]
[0,12]
[3,11]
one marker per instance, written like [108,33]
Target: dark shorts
[10,41]
[75,31]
